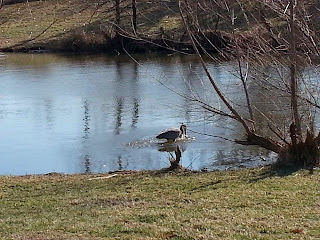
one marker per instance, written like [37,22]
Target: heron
[172,134]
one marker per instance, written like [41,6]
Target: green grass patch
[244,204]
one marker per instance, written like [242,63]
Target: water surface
[76,114]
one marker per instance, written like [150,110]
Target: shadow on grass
[172,170]
[276,170]
[211,185]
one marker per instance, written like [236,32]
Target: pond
[78,114]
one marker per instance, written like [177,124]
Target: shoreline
[213,42]
[272,168]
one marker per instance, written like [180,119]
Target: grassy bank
[245,204]
[77,25]
[89,26]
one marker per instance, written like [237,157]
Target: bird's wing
[171,133]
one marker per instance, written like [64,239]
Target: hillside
[68,25]
[76,25]
[84,25]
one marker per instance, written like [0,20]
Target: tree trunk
[134,15]
[255,139]
[293,74]
[117,15]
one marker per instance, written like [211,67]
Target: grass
[70,20]
[88,26]
[244,204]
[59,25]
[24,21]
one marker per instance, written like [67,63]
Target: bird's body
[172,134]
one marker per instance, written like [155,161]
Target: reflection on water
[171,147]
[86,136]
[79,114]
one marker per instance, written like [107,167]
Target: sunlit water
[76,114]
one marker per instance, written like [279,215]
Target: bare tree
[287,49]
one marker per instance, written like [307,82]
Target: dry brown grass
[57,24]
